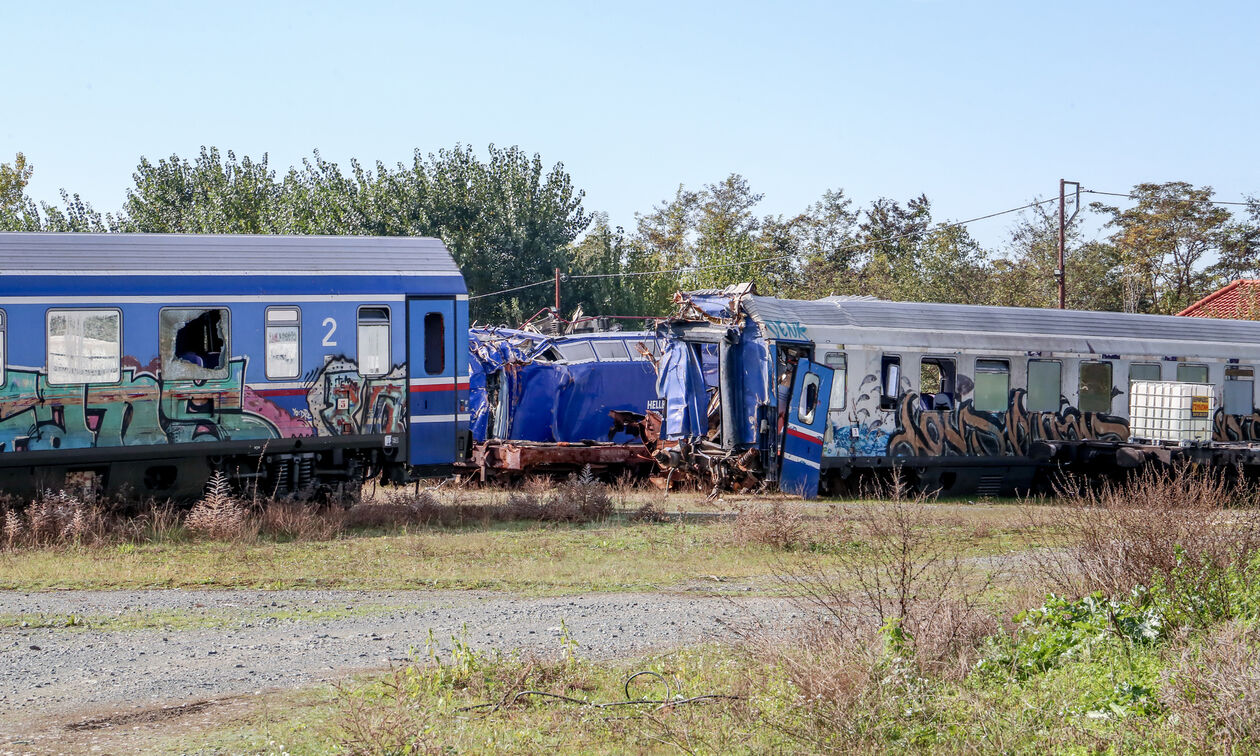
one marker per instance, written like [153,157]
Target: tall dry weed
[781,525]
[1179,526]
[219,514]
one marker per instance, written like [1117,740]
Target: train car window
[839,379]
[1239,390]
[937,379]
[434,343]
[577,351]
[373,340]
[611,350]
[1143,371]
[1095,387]
[283,334]
[1187,373]
[84,346]
[634,348]
[809,398]
[193,343]
[993,385]
[3,344]
[1045,385]
[890,372]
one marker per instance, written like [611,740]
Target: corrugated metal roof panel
[1004,320]
[51,253]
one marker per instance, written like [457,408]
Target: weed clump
[219,514]
[780,525]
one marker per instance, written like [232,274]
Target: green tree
[210,195]
[1024,276]
[1161,243]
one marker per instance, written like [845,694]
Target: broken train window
[194,343]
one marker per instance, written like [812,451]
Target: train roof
[47,253]
[881,322]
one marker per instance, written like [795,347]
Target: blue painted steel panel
[803,435]
[681,383]
[434,382]
[541,396]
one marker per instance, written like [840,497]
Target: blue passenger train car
[149,360]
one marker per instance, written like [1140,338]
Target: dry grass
[780,525]
[1214,688]
[1188,527]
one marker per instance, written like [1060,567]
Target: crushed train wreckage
[737,391]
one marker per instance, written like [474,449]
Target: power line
[1126,195]
[698,268]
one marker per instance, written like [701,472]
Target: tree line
[510,220]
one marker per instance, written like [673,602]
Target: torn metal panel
[528,386]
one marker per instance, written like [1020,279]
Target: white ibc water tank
[1171,410]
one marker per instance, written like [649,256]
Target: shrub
[780,525]
[1185,531]
[219,514]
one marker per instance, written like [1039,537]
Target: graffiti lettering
[780,329]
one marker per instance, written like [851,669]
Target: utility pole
[558,291]
[1061,272]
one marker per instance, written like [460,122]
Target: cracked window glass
[194,343]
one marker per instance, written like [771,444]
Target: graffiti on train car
[144,409]
[969,431]
[1242,428]
[344,402]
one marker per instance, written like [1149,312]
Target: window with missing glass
[283,334]
[1188,373]
[1094,393]
[373,341]
[1045,385]
[193,343]
[83,346]
[993,385]
[1239,390]
[890,370]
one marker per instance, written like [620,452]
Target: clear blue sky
[980,105]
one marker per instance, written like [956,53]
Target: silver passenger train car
[961,398]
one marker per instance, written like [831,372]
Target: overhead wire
[1126,195]
[855,245]
[719,266]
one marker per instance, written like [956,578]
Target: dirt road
[145,649]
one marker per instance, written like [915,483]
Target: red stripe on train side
[425,388]
[281,392]
[794,432]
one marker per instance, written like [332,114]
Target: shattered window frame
[272,323]
[809,398]
[171,320]
[839,364]
[62,375]
[364,332]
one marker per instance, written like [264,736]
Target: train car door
[806,423]
[432,366]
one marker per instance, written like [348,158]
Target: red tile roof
[1240,299]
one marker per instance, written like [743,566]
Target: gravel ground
[67,671]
